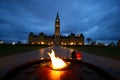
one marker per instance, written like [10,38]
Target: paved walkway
[110,65]
[7,63]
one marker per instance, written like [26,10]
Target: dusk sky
[97,19]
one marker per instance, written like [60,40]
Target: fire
[57,63]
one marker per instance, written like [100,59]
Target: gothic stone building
[43,39]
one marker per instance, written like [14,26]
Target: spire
[57,17]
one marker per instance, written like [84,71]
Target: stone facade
[43,39]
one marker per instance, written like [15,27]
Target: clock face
[57,20]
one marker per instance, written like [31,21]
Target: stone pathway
[9,62]
[110,65]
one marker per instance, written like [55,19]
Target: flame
[57,63]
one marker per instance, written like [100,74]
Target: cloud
[93,18]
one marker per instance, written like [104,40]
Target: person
[73,55]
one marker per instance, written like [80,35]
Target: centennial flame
[57,63]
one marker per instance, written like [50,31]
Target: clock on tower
[57,29]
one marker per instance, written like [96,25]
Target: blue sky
[97,19]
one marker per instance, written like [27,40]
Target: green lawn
[110,52]
[6,50]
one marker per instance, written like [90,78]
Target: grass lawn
[110,52]
[6,50]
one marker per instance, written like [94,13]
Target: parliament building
[43,39]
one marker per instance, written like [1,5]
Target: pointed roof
[57,17]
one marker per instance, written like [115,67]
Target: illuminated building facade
[43,39]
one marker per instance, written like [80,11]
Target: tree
[88,40]
[93,43]
[111,44]
[118,43]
